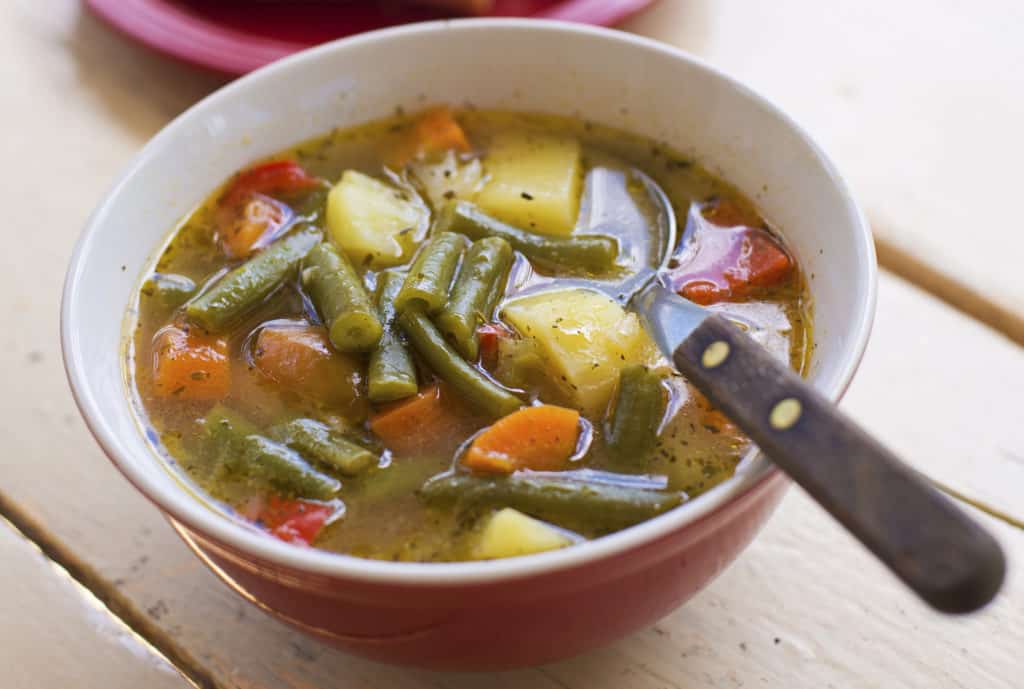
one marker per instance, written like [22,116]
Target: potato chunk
[533,182]
[376,224]
[508,533]
[574,343]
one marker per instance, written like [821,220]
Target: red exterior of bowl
[500,625]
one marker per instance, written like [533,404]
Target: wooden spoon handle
[945,557]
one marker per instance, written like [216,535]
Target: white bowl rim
[185,509]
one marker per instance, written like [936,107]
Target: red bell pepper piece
[277,177]
[295,521]
[489,336]
[728,263]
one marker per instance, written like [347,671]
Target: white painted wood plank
[56,635]
[919,102]
[944,393]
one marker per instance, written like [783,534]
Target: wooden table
[919,102]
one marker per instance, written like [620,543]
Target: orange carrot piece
[300,358]
[244,229]
[433,420]
[541,438]
[188,365]
[435,131]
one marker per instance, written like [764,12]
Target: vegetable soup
[388,341]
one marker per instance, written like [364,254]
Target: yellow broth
[383,518]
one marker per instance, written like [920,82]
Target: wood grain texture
[81,100]
[55,634]
[915,530]
[943,393]
[918,102]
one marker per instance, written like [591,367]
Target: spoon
[930,544]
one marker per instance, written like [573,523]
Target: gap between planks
[949,289]
[116,603]
[977,504]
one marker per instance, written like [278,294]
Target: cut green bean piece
[594,253]
[391,373]
[340,296]
[478,287]
[632,430]
[283,468]
[170,290]
[316,441]
[241,451]
[614,506]
[312,207]
[426,285]
[475,388]
[223,430]
[249,285]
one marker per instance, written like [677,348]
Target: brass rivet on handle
[785,413]
[715,354]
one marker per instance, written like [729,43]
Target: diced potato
[575,341]
[376,224]
[509,533]
[448,179]
[533,182]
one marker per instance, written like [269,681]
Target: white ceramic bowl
[473,610]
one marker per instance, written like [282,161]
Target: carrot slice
[300,358]
[433,420]
[541,438]
[188,365]
[435,131]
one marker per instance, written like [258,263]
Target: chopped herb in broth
[345,346]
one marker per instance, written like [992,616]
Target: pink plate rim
[178,33]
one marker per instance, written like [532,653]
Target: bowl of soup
[346,323]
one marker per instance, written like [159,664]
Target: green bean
[311,208]
[284,469]
[632,431]
[223,430]
[472,385]
[317,441]
[478,287]
[341,298]
[248,285]
[594,253]
[426,285]
[234,441]
[391,373]
[612,506]
[170,290]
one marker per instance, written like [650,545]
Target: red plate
[238,36]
